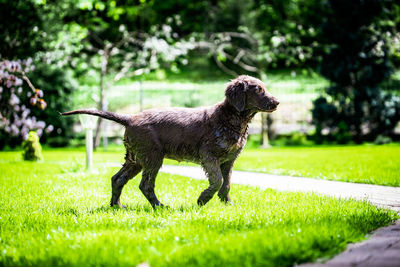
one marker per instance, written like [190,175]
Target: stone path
[382,249]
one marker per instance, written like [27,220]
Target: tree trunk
[104,127]
[264,131]
[97,134]
[101,104]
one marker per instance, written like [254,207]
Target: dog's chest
[228,141]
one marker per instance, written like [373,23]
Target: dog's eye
[258,89]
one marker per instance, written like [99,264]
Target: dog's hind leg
[127,172]
[149,175]
[215,179]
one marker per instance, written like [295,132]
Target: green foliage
[289,32]
[296,139]
[30,29]
[381,140]
[120,37]
[282,140]
[66,221]
[356,63]
[32,150]
[343,135]
[357,42]
[20,29]
[59,86]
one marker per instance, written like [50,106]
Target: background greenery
[96,43]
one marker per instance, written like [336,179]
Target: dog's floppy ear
[236,94]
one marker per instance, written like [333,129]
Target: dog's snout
[275,101]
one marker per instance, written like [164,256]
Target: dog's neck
[234,119]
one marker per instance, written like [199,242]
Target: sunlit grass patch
[369,164]
[51,214]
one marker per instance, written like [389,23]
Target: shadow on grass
[140,208]
[23,261]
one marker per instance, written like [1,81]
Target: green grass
[54,214]
[370,164]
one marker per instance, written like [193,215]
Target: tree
[121,41]
[356,64]
[31,31]
[20,29]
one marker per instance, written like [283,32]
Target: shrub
[32,150]
[356,63]
[381,140]
[296,139]
[58,86]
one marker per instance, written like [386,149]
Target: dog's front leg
[215,179]
[226,169]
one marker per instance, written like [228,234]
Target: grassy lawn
[53,213]
[370,164]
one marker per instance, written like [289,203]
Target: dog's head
[249,93]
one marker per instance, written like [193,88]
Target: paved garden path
[382,249]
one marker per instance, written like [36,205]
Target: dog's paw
[227,202]
[118,206]
[161,206]
[230,203]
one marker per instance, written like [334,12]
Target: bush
[58,86]
[342,135]
[357,62]
[292,139]
[381,140]
[296,139]
[32,150]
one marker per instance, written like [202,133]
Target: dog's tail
[121,119]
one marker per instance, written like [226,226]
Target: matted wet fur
[211,136]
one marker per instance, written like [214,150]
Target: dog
[210,136]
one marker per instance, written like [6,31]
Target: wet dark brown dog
[212,136]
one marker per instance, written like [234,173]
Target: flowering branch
[15,117]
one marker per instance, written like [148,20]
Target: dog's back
[178,132]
